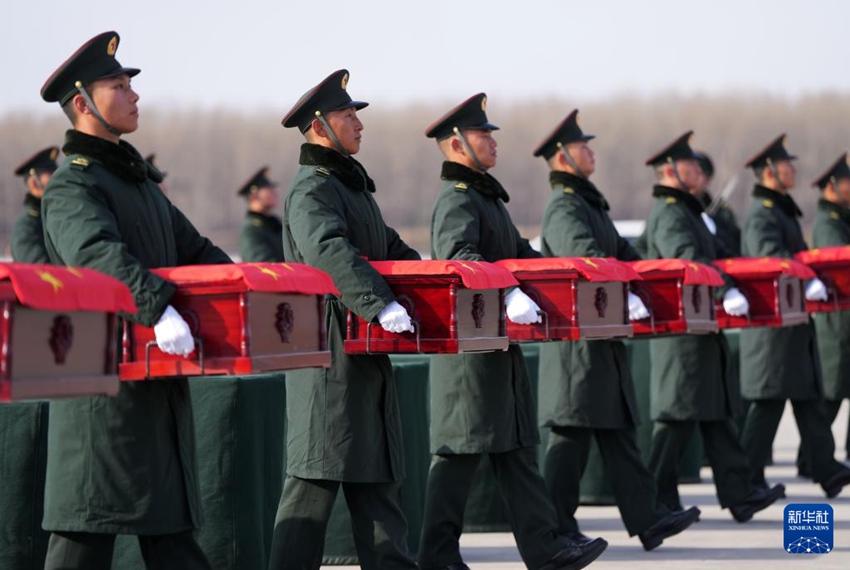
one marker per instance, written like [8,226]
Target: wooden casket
[679,295]
[579,298]
[774,288]
[246,318]
[58,331]
[832,266]
[455,306]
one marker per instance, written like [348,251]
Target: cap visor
[131,71]
[356,104]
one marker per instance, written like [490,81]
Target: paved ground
[717,541]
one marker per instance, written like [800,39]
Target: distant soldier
[779,364]
[690,384]
[28,232]
[586,388]
[261,238]
[725,225]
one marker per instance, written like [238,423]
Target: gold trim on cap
[112,46]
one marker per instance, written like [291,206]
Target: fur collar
[482,182]
[785,202]
[584,187]
[121,159]
[266,218]
[33,203]
[659,191]
[350,172]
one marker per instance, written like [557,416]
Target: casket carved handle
[192,320]
[413,323]
[600,301]
[199,344]
[61,337]
[284,321]
[478,310]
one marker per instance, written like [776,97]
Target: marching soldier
[28,234]
[344,426]
[122,465]
[725,224]
[482,404]
[779,364]
[261,238]
[586,388]
[690,384]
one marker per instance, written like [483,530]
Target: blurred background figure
[261,238]
[28,235]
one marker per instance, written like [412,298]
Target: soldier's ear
[457,146]
[318,128]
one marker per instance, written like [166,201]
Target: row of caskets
[61,331]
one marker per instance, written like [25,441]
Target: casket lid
[58,288]
[825,254]
[591,268]
[691,272]
[473,274]
[737,267]
[266,277]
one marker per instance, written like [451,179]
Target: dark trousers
[818,445]
[830,408]
[93,551]
[378,524]
[631,482]
[531,515]
[728,462]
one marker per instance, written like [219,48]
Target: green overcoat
[261,238]
[690,379]
[344,422]
[832,227]
[584,383]
[777,363]
[28,234]
[480,403]
[126,464]
[728,231]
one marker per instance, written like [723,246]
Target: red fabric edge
[473,274]
[268,277]
[591,268]
[691,272]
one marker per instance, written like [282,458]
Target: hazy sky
[266,53]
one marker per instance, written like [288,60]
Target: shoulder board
[323,172]
[568,190]
[461,186]
[81,163]
[257,222]
[670,200]
[767,203]
[36,213]
[834,216]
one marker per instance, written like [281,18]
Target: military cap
[839,169]
[42,161]
[679,149]
[771,154]
[329,95]
[259,180]
[565,133]
[471,114]
[151,159]
[705,163]
[94,60]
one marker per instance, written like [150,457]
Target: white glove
[172,333]
[816,290]
[521,309]
[709,223]
[735,303]
[637,310]
[394,318]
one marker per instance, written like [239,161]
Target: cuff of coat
[152,302]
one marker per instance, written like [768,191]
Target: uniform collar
[830,207]
[33,203]
[263,217]
[585,188]
[659,191]
[785,202]
[350,172]
[482,182]
[121,159]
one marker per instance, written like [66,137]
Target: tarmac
[717,540]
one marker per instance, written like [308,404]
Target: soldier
[779,364]
[261,238]
[27,234]
[122,465]
[725,225]
[344,426]
[152,162]
[586,388]
[690,384]
[482,404]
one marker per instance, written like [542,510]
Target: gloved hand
[709,223]
[816,290]
[735,303]
[637,310]
[394,319]
[521,309]
[172,333]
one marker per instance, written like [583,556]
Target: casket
[579,298]
[774,288]
[679,295]
[246,318]
[832,266]
[456,306]
[58,331]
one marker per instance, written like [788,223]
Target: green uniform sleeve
[192,247]
[642,244]
[28,240]
[572,234]
[763,235]
[829,233]
[456,228]
[254,245]
[625,250]
[397,248]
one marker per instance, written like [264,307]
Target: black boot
[576,555]
[832,486]
[759,499]
[672,523]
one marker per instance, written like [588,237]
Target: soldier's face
[37,190]
[117,102]
[844,190]
[687,170]
[268,197]
[700,182]
[787,173]
[483,145]
[583,156]
[347,128]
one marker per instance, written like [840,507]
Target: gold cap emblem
[113,45]
[53,154]
[484,103]
[344,81]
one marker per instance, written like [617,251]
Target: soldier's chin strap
[332,135]
[772,167]
[468,149]
[94,111]
[572,161]
[672,164]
